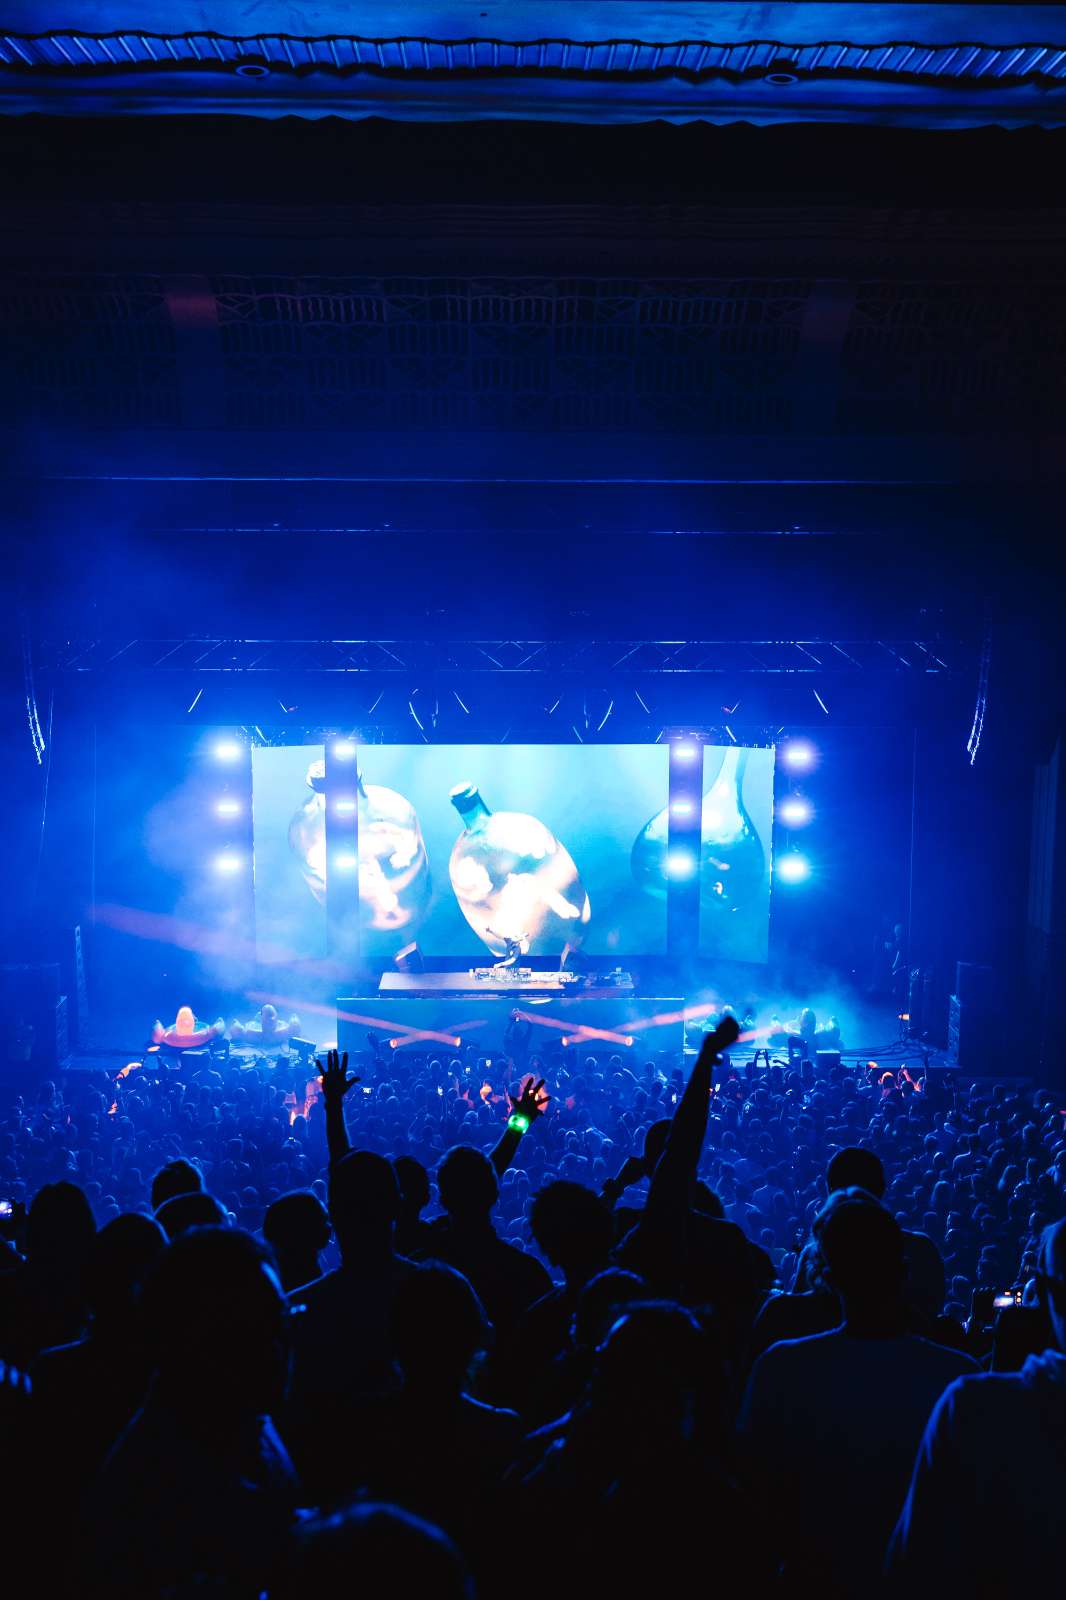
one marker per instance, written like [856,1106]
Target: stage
[594,1025]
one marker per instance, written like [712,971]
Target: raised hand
[727,1033]
[532,1100]
[334,1077]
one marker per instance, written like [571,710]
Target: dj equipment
[502,981]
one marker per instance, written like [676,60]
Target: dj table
[512,981]
[431,1011]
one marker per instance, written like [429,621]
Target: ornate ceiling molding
[679,63]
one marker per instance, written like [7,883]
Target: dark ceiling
[580,366]
[615,61]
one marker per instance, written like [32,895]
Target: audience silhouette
[836,1417]
[754,1338]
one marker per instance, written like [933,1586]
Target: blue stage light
[343,808]
[343,750]
[680,864]
[793,867]
[228,808]
[799,755]
[228,750]
[682,808]
[795,811]
[346,862]
[227,863]
[686,751]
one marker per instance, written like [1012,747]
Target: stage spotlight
[686,751]
[680,864]
[799,755]
[793,868]
[228,808]
[228,750]
[227,863]
[343,808]
[343,750]
[795,811]
[682,808]
[346,862]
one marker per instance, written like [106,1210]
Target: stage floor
[870,1029]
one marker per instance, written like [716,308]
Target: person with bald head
[994,1448]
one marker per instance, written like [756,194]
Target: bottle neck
[734,765]
[472,809]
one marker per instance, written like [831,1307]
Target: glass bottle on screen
[732,860]
[394,876]
[307,832]
[517,886]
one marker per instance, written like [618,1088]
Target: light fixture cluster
[686,802]
[794,809]
[229,751]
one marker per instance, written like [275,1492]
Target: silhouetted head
[855,1168]
[573,1227]
[389,1551]
[177,1177]
[214,1321]
[364,1198]
[655,1143]
[296,1227]
[650,1369]
[413,1179]
[466,1183]
[926,1278]
[123,1253]
[1051,1278]
[60,1223]
[438,1325]
[187,1211]
[862,1247]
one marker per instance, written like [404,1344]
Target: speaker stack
[34,1026]
[973,1020]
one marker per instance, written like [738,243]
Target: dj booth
[435,1011]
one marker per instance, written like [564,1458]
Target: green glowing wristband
[518,1123]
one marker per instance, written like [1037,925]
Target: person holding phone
[996,1443]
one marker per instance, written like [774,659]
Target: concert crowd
[439,1324]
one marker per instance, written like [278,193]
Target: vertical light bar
[342,847]
[684,835]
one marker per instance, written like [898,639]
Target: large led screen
[477,852]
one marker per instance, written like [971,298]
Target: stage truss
[590,659]
[748,691]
